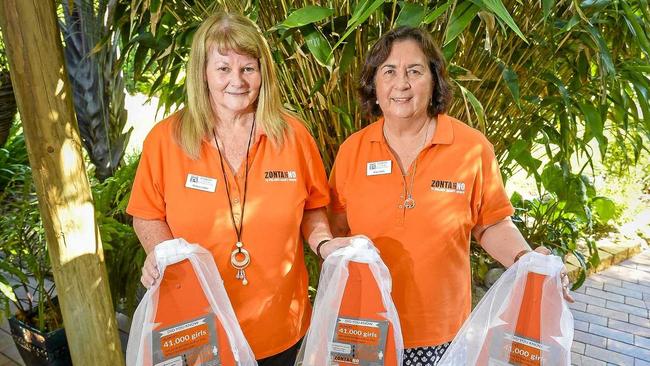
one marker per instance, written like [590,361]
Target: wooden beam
[44,97]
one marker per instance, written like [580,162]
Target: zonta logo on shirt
[447,186]
[280,175]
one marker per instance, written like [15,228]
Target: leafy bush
[546,82]
[14,161]
[24,266]
[566,214]
[123,253]
[25,263]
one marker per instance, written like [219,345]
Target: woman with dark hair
[418,183]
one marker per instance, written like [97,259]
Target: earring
[376,101]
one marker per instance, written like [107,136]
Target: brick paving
[612,326]
[8,353]
[611,316]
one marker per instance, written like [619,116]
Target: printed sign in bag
[186,319]
[523,320]
[192,342]
[354,321]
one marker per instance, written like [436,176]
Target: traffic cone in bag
[363,334]
[187,331]
[186,318]
[518,340]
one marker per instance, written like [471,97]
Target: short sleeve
[147,199]
[491,203]
[315,176]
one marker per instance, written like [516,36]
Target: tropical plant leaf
[582,273]
[345,117]
[547,5]
[436,13]
[636,28]
[462,16]
[553,178]
[604,52]
[593,125]
[410,15]
[13,270]
[360,15]
[6,289]
[317,45]
[520,151]
[347,55]
[512,81]
[604,208]
[476,105]
[497,7]
[303,16]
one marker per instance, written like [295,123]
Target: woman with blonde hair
[237,174]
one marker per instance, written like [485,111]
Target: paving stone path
[611,318]
[611,315]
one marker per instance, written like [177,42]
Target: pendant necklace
[409,201]
[239,258]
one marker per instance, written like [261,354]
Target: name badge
[205,184]
[379,167]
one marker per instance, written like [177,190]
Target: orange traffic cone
[187,329]
[362,327]
[519,340]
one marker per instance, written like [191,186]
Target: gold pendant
[409,202]
[240,259]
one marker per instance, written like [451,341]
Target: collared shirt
[457,185]
[190,195]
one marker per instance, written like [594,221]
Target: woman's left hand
[563,274]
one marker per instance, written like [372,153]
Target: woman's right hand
[337,243]
[151,233]
[150,273]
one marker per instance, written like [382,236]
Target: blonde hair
[227,32]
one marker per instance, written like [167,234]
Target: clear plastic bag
[186,316]
[354,320]
[522,320]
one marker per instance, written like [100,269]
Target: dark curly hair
[442,91]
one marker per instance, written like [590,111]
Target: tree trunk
[45,103]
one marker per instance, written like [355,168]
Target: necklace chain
[409,201]
[239,264]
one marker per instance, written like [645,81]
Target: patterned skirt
[424,356]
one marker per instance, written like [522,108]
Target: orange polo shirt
[457,186]
[273,309]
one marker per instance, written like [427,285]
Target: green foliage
[91,54]
[566,215]
[313,264]
[4,63]
[13,158]
[8,107]
[123,253]
[24,261]
[550,83]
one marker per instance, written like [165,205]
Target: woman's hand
[150,233]
[333,244]
[337,243]
[150,273]
[563,274]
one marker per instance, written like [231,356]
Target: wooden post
[44,100]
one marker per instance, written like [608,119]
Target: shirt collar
[444,134]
